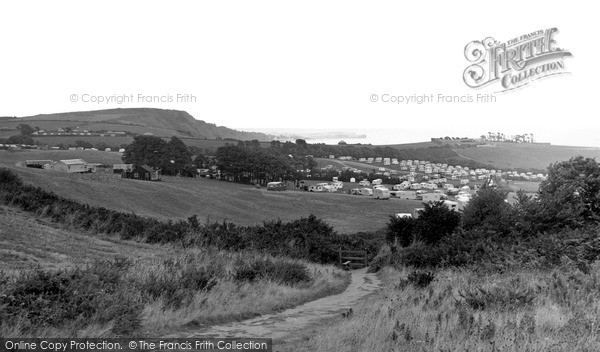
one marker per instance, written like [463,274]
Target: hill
[29,241]
[530,156]
[179,198]
[160,122]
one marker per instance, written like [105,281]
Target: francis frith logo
[514,63]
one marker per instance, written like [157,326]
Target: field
[113,142]
[26,242]
[30,244]
[179,198]
[508,156]
[91,156]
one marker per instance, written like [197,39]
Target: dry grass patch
[463,310]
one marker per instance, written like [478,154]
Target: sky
[253,65]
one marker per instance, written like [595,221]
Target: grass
[179,198]
[31,242]
[509,156]
[113,142]
[91,156]
[27,242]
[522,311]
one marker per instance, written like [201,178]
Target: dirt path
[280,325]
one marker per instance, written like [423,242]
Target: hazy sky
[309,64]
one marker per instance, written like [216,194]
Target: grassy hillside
[164,123]
[525,155]
[27,241]
[218,200]
[141,289]
[463,310]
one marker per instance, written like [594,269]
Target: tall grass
[467,310]
[153,297]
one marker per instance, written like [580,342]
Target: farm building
[120,168]
[143,172]
[71,166]
[39,164]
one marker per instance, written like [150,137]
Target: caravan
[366,192]
[381,193]
[315,188]
[364,183]
[276,186]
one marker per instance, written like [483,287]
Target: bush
[400,231]
[96,293]
[509,297]
[420,279]
[489,210]
[176,283]
[286,273]
[435,222]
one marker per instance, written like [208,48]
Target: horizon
[240,66]
[416,136]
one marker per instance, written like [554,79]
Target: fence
[353,259]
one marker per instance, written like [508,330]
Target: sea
[414,134]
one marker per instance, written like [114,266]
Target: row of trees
[251,163]
[172,157]
[501,137]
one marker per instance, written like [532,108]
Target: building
[72,166]
[120,168]
[143,172]
[39,164]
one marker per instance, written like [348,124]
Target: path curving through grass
[280,325]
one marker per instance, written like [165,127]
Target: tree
[342,143]
[570,196]
[175,158]
[83,144]
[20,139]
[25,129]
[400,231]
[145,150]
[301,143]
[489,210]
[435,222]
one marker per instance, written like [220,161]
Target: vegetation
[173,157]
[435,222]
[520,277]
[470,310]
[308,238]
[121,297]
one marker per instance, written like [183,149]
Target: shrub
[176,283]
[287,273]
[420,279]
[488,210]
[503,298]
[435,222]
[400,231]
[95,293]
